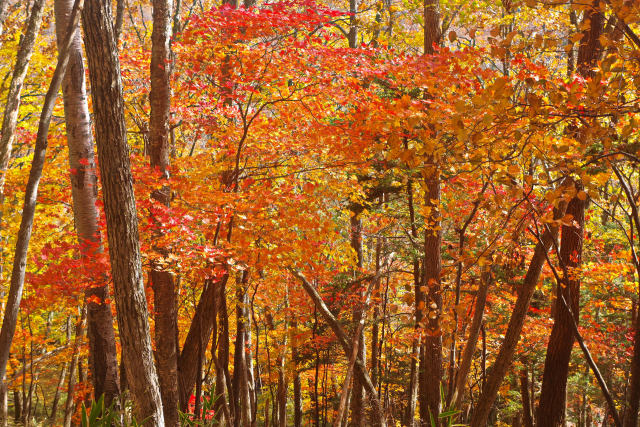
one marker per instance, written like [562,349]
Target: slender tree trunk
[30,199]
[430,366]
[56,396]
[240,368]
[162,279]
[360,367]
[102,343]
[120,209]
[69,404]
[472,340]
[357,391]
[430,377]
[551,411]
[514,328]
[10,120]
[527,418]
[200,329]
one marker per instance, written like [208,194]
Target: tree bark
[162,279]
[527,418]
[120,210]
[12,105]
[69,404]
[430,374]
[472,340]
[102,343]
[200,329]
[514,328]
[430,365]
[551,410]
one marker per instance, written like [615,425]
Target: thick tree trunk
[518,315]
[430,364]
[120,210]
[3,14]
[551,410]
[102,343]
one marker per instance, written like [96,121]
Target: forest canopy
[320,212]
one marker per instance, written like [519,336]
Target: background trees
[362,213]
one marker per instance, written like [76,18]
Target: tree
[120,209]
[84,186]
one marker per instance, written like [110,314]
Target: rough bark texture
[357,390]
[432,31]
[551,410]
[102,342]
[518,315]
[162,279]
[3,14]
[430,375]
[120,210]
[201,328]
[430,364]
[240,383]
[552,407]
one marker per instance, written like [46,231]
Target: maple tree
[311,212]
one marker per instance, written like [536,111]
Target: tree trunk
[551,410]
[552,407]
[120,210]
[102,343]
[430,374]
[69,405]
[240,367]
[200,329]
[162,279]
[357,391]
[518,315]
[430,364]
[378,418]
[56,396]
[12,105]
[527,418]
[30,199]
[472,340]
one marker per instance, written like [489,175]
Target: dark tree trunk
[551,411]
[514,328]
[120,209]
[430,376]
[162,279]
